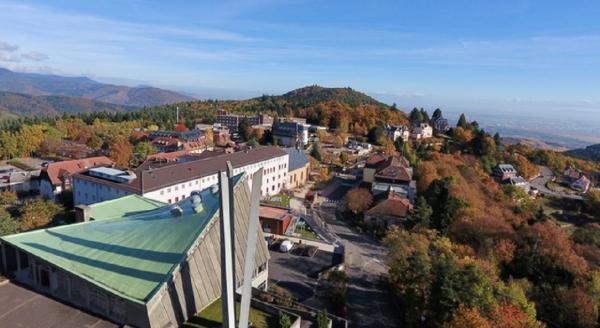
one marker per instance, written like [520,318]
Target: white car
[286,246]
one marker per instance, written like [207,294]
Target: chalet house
[582,184]
[56,177]
[398,131]
[387,174]
[440,124]
[391,211]
[503,172]
[274,219]
[520,182]
[422,131]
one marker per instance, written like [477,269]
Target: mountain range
[64,89]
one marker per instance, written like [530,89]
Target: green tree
[376,134]
[322,319]
[415,116]
[284,320]
[399,144]
[445,206]
[423,212]
[8,225]
[462,121]
[143,149]
[316,151]
[245,128]
[436,114]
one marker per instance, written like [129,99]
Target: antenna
[177,115]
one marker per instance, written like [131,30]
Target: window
[273,188]
[162,192]
[168,189]
[170,201]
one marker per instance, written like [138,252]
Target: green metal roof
[124,206]
[131,256]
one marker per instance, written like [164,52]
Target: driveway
[541,184]
[299,274]
[20,307]
[369,299]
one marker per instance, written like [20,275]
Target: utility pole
[227,278]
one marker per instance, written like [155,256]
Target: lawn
[211,317]
[282,200]
[305,232]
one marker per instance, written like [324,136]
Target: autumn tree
[7,198]
[120,150]
[343,158]
[9,145]
[592,200]
[468,318]
[358,200]
[38,213]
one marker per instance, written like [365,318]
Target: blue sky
[523,55]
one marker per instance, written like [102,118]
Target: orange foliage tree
[120,150]
[359,200]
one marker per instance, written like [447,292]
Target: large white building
[172,182]
[422,131]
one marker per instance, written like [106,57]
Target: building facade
[299,168]
[232,121]
[291,134]
[170,182]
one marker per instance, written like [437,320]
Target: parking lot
[299,274]
[20,307]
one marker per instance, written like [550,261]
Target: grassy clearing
[282,200]
[211,317]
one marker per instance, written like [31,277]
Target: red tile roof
[394,206]
[56,171]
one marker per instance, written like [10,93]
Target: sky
[510,55]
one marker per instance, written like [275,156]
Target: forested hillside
[590,152]
[25,105]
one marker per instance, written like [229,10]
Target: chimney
[82,213]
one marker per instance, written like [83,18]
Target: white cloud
[8,57]
[5,46]
[35,56]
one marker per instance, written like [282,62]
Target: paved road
[20,307]
[369,299]
[541,182]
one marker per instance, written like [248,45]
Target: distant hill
[590,152]
[311,95]
[83,87]
[15,104]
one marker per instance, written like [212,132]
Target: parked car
[286,246]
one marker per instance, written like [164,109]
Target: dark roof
[153,176]
[298,158]
[287,129]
